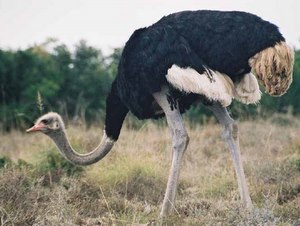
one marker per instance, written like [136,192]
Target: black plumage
[221,41]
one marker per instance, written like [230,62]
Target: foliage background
[75,82]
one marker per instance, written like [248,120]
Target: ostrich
[185,58]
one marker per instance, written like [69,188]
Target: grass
[127,186]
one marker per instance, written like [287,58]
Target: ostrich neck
[63,144]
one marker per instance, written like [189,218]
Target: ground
[127,186]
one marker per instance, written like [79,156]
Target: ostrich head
[52,125]
[48,124]
[274,68]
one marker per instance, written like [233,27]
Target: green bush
[55,163]
[5,162]
[76,82]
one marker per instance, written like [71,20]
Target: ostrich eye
[45,121]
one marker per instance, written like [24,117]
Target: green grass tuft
[298,164]
[5,162]
[54,162]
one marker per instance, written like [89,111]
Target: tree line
[75,83]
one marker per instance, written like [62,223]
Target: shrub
[5,162]
[55,163]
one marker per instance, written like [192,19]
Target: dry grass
[127,187]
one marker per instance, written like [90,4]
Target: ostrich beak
[36,127]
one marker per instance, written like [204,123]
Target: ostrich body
[186,58]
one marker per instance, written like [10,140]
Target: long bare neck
[63,144]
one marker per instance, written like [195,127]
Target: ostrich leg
[180,141]
[231,137]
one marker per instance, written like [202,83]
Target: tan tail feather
[274,68]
